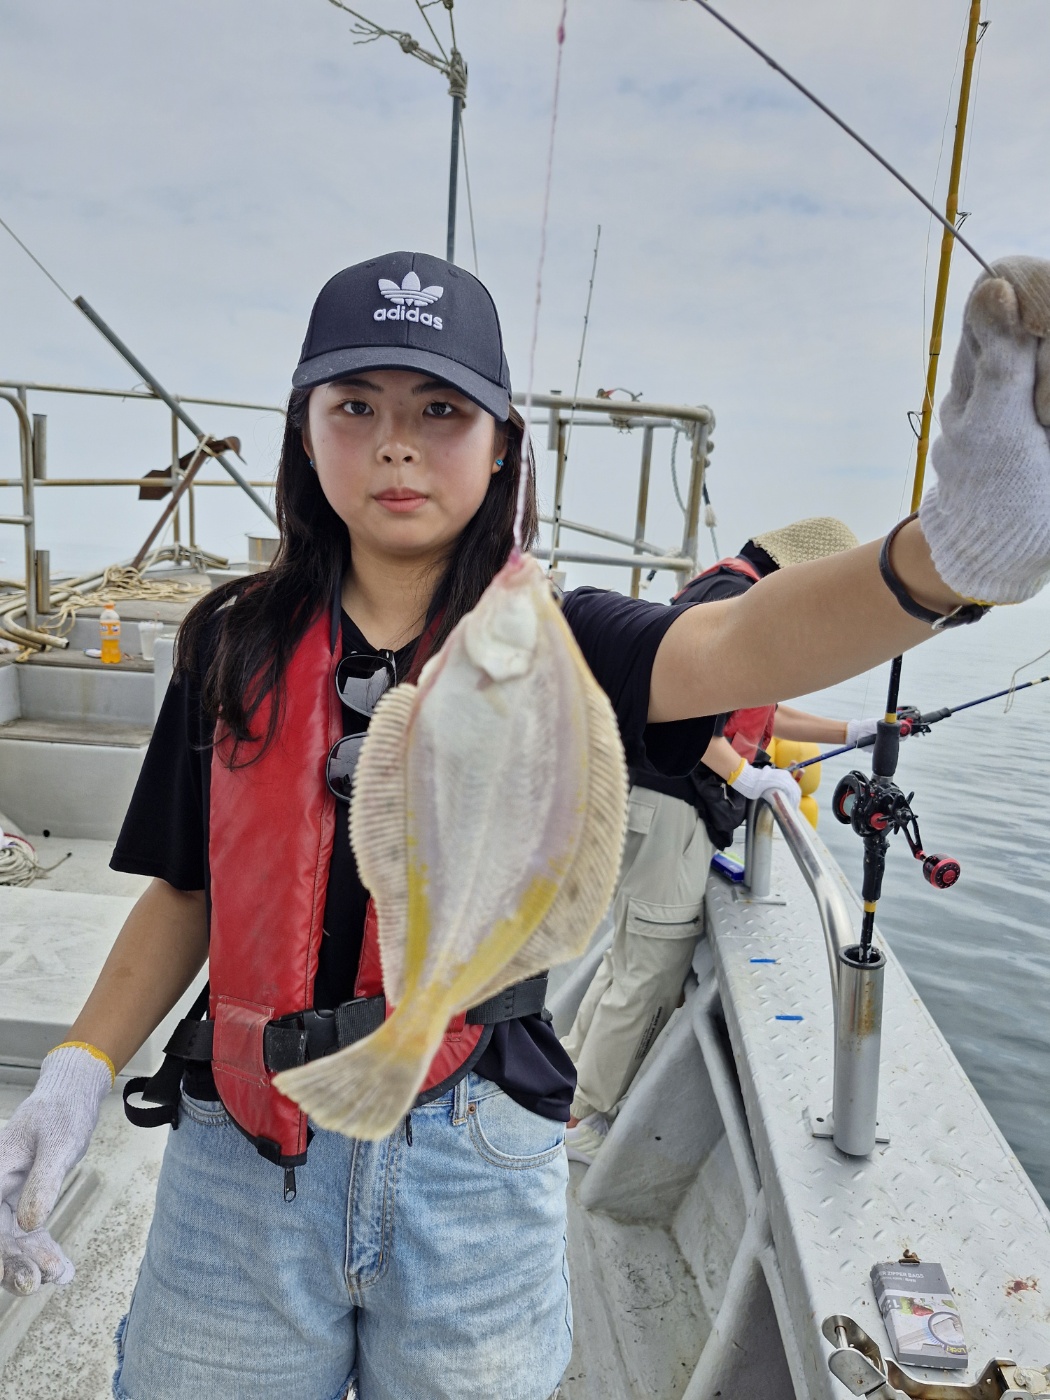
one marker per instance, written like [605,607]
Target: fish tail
[365,1090]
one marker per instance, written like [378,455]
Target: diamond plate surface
[947,1184]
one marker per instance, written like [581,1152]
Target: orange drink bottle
[109,631]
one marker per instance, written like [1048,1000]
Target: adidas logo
[407,299]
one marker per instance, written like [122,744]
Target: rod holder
[42,560]
[39,446]
[858,1046]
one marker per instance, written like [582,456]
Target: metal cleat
[859,1364]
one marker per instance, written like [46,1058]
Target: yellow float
[785,752]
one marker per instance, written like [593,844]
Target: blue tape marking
[789,1018]
[762,960]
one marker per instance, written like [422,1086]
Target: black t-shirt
[722,810]
[165,833]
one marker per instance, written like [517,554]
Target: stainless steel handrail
[856,985]
[676,562]
[622,408]
[834,913]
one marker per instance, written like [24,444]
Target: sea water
[979,954]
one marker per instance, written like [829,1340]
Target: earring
[311,461]
[499,461]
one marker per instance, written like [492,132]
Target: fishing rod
[911,722]
[875,807]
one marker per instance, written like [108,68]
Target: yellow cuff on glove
[92,1050]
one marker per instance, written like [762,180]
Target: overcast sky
[198,169]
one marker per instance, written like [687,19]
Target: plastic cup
[148,634]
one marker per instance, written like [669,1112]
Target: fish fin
[588,888]
[365,1090]
[378,829]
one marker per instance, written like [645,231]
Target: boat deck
[713,1234]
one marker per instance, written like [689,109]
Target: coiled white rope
[96,589]
[19,862]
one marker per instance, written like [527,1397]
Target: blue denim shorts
[413,1272]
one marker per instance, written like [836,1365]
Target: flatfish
[487,820]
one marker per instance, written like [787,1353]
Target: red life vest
[271,830]
[747,730]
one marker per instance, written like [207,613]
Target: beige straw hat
[814,538]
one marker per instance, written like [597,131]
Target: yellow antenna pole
[951,212]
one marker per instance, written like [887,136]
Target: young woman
[431,1264]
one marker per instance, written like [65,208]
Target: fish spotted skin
[487,822]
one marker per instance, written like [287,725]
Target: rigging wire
[29,252]
[368,32]
[470,202]
[704,5]
[451,19]
[426,20]
[523,476]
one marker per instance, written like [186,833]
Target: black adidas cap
[408,311]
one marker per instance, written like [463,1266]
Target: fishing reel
[911,721]
[876,808]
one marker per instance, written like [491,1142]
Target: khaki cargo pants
[657,918]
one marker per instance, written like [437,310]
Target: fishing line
[1014,687]
[29,252]
[583,341]
[936,177]
[523,470]
[976,89]
[704,5]
[556,523]
[674,470]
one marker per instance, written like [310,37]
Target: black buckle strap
[163,1087]
[356,1019]
[523,999]
[292,1040]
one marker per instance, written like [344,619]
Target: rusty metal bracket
[859,1364]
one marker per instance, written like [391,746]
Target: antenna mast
[450,65]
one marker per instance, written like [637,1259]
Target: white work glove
[858,729]
[46,1137]
[30,1257]
[753,782]
[987,518]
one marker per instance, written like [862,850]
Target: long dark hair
[265,615]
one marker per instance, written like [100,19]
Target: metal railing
[696,421]
[563,413]
[856,986]
[27,520]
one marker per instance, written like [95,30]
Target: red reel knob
[941,871]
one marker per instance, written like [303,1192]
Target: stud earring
[311,461]
[499,461]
